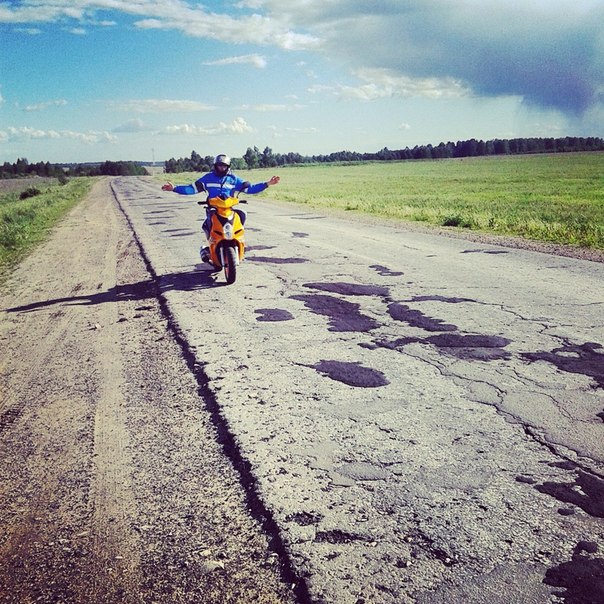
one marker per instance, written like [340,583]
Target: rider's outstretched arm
[257,188]
[185,189]
[192,189]
[261,186]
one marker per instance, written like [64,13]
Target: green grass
[550,198]
[25,222]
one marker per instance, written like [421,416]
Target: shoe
[204,252]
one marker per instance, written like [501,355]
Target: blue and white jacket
[220,186]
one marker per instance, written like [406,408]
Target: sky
[147,80]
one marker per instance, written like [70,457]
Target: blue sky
[86,80]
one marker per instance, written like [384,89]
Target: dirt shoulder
[114,482]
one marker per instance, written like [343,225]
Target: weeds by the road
[25,220]
[551,198]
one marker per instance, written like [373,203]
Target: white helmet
[222,159]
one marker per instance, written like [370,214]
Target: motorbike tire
[230,264]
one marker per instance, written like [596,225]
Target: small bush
[30,192]
[453,221]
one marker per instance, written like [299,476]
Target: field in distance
[548,198]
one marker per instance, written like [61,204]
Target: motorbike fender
[237,244]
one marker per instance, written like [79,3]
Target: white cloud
[159,106]
[385,83]
[45,105]
[237,126]
[279,132]
[252,29]
[257,61]
[32,31]
[39,12]
[309,130]
[27,133]
[272,107]
[131,126]
[191,19]
[253,4]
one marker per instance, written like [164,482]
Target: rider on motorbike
[220,182]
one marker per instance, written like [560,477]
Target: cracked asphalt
[370,414]
[422,416]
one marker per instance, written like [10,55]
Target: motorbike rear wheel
[230,264]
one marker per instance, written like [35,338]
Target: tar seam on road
[226,439]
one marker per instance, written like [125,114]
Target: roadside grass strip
[24,223]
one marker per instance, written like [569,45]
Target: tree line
[254,158]
[197,163]
[62,171]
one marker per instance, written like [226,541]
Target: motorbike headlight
[228,231]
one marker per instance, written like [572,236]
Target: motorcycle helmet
[222,163]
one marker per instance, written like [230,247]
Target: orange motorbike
[224,228]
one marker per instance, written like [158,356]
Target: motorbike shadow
[203,276]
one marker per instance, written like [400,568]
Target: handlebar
[205,202]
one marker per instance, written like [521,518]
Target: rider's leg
[207,223]
[242,214]
[204,252]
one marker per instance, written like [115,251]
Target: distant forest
[254,158]
[109,168]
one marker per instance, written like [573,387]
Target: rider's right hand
[168,187]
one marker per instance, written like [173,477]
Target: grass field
[26,222]
[551,198]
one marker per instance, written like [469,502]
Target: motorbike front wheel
[230,264]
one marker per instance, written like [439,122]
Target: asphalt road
[421,416]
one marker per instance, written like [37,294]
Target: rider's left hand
[274,180]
